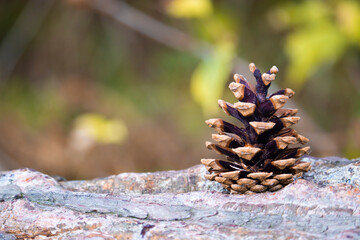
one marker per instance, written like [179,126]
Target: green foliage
[210,76]
[321,33]
[307,51]
[33,106]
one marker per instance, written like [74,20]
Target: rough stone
[181,205]
[332,170]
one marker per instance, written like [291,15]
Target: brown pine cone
[258,154]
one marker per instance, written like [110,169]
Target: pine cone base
[258,155]
[256,182]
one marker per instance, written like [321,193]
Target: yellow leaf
[100,129]
[348,16]
[190,8]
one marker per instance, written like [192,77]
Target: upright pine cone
[258,154]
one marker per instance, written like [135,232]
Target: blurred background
[90,88]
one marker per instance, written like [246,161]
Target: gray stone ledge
[181,205]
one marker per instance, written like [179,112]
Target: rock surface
[180,205]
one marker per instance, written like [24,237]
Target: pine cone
[258,155]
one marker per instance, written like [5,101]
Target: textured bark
[180,205]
